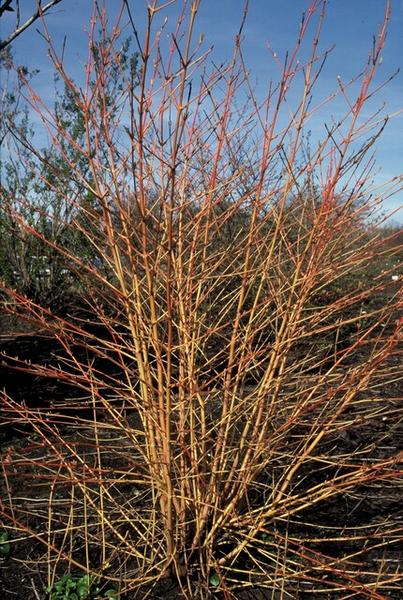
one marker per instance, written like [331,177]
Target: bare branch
[6,7]
[18,30]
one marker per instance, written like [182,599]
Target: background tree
[51,195]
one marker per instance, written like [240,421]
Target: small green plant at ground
[79,587]
[215,580]
[5,547]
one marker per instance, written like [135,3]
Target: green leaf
[70,583]
[83,587]
[5,547]
[214,579]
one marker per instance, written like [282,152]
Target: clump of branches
[213,427]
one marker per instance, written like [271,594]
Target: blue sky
[349,25]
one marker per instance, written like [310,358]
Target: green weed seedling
[112,594]
[214,580]
[5,547]
[71,587]
[79,587]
